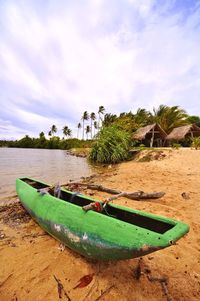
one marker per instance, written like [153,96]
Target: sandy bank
[30,258]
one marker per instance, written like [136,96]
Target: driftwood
[92,187]
[137,195]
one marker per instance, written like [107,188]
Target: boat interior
[136,219]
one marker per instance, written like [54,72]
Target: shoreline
[31,258]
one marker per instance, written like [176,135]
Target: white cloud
[67,57]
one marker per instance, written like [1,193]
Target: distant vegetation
[52,143]
[93,127]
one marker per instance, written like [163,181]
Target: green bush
[196,142]
[112,145]
[175,145]
[141,147]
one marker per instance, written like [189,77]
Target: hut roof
[180,132]
[142,132]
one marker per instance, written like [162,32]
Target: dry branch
[137,195]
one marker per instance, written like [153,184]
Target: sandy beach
[29,258]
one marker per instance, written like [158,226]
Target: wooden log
[137,195]
[93,187]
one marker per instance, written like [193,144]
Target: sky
[60,58]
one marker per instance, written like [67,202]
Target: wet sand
[29,258]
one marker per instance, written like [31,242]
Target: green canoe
[116,233]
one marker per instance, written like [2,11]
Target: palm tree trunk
[83,129]
[99,122]
[91,128]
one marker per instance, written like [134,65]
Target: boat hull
[91,234]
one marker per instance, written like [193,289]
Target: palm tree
[84,117]
[143,117]
[65,128]
[95,126]
[53,129]
[49,133]
[67,131]
[92,118]
[170,117]
[79,127]
[100,111]
[87,130]
[109,119]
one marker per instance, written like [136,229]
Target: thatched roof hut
[183,132]
[151,135]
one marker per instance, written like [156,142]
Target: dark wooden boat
[115,233]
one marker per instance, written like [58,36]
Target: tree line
[91,123]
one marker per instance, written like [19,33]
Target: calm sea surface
[51,166]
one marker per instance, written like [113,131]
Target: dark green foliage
[5,143]
[126,121]
[52,143]
[194,120]
[109,119]
[167,117]
[170,117]
[176,145]
[25,142]
[196,142]
[75,143]
[112,145]
[143,117]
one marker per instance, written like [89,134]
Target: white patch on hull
[57,228]
[85,237]
[71,236]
